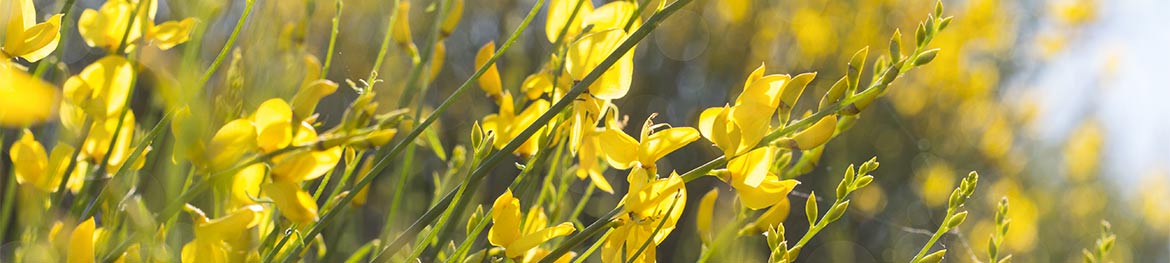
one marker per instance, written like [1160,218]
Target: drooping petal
[230,226]
[620,150]
[490,80]
[293,202]
[505,220]
[587,54]
[660,143]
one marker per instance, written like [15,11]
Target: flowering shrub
[156,154]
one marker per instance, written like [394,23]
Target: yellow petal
[523,120]
[81,243]
[490,80]
[231,226]
[294,203]
[108,81]
[661,143]
[30,162]
[273,120]
[588,52]
[27,100]
[230,143]
[438,56]
[305,101]
[772,217]
[793,88]
[764,91]
[35,42]
[706,214]
[401,33]
[768,193]
[452,18]
[246,184]
[754,76]
[559,12]
[171,33]
[613,15]
[522,245]
[751,168]
[535,84]
[535,220]
[505,220]
[817,134]
[621,150]
[305,165]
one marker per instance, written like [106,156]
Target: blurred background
[1056,103]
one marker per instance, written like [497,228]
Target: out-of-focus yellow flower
[81,243]
[507,124]
[1075,12]
[101,135]
[490,81]
[935,182]
[706,215]
[588,52]
[246,184]
[32,167]
[1082,151]
[401,33]
[25,38]
[102,88]
[106,27]
[506,229]
[623,152]
[213,237]
[27,100]
[452,18]
[650,203]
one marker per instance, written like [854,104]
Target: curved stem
[227,46]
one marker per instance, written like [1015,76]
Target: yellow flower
[490,81]
[507,124]
[27,100]
[650,204]
[215,240]
[246,184]
[32,168]
[101,135]
[706,215]
[401,33]
[81,243]
[106,27]
[737,129]
[26,38]
[102,88]
[583,140]
[623,152]
[757,187]
[506,228]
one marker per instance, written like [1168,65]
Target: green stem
[424,57]
[227,46]
[385,42]
[332,41]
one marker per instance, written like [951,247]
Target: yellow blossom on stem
[623,152]
[25,38]
[654,207]
[508,124]
[506,228]
[112,24]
